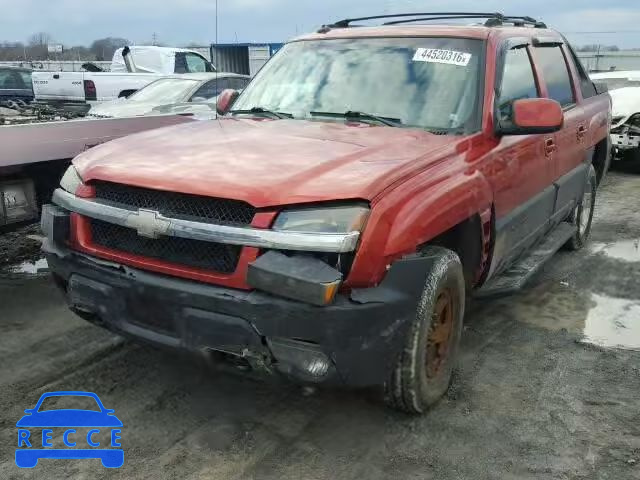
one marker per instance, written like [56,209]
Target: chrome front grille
[197,254]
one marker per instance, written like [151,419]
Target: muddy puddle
[627,250]
[593,318]
[613,322]
[30,267]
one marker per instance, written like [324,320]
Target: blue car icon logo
[94,429]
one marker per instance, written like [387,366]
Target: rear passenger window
[553,66]
[518,82]
[586,84]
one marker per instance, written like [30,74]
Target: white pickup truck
[131,69]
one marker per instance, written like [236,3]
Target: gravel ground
[548,386]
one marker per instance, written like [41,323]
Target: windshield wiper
[264,111]
[360,116]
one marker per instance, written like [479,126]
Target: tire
[423,371]
[582,214]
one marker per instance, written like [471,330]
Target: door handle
[582,131]
[549,147]
[56,76]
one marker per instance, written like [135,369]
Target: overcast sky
[178,22]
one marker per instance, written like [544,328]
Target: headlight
[71,181]
[339,219]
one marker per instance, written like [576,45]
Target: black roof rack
[493,19]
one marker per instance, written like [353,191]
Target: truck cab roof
[480,32]
[417,25]
[148,58]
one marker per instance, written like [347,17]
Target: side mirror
[534,116]
[225,100]
[29,410]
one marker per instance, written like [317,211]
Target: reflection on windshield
[425,82]
[168,90]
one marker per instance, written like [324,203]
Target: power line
[637,32]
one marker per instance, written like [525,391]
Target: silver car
[186,93]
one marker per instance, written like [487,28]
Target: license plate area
[148,311]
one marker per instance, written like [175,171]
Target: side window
[197,64]
[518,81]
[191,63]
[586,85]
[211,89]
[554,70]
[181,63]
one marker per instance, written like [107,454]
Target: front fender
[599,127]
[416,212]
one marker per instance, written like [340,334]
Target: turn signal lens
[71,180]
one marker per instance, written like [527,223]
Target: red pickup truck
[331,225]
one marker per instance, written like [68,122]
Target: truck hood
[624,102]
[268,162]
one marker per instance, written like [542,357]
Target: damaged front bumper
[625,141]
[627,136]
[355,341]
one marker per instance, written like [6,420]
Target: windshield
[15,80]
[167,90]
[431,83]
[26,79]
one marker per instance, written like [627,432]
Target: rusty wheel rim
[440,333]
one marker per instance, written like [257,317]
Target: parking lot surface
[548,386]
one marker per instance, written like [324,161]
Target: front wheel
[582,214]
[423,371]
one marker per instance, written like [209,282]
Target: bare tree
[38,43]
[40,39]
[78,52]
[104,48]
[598,48]
[12,51]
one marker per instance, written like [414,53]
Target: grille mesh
[177,205]
[191,253]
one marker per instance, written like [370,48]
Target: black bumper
[358,337]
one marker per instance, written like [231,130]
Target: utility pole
[154,39]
